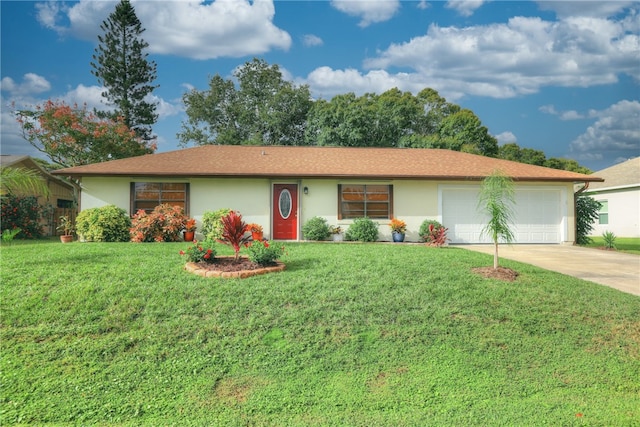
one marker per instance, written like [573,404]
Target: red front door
[285,211]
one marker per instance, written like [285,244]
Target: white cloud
[464,7]
[192,29]
[326,82]
[506,138]
[548,109]
[370,11]
[571,115]
[519,57]
[31,84]
[616,133]
[601,9]
[423,4]
[563,115]
[311,40]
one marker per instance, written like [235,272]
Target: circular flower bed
[226,267]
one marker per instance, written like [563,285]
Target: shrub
[212,223]
[362,230]
[423,231]
[316,228]
[586,214]
[609,239]
[105,224]
[200,251]
[164,224]
[233,232]
[23,213]
[263,253]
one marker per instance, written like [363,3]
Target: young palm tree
[21,181]
[497,198]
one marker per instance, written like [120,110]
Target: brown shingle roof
[340,162]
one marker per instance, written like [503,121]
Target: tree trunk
[495,256]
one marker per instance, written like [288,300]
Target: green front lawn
[629,245]
[348,335]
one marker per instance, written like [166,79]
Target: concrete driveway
[617,270]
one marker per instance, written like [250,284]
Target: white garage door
[538,215]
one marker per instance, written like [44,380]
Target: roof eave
[334,176]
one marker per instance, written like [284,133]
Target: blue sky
[558,76]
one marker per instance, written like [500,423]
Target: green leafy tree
[566,164]
[464,132]
[120,63]
[514,152]
[263,109]
[72,136]
[586,215]
[368,121]
[496,199]
[397,119]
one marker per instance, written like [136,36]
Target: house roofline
[324,176]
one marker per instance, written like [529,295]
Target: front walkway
[614,269]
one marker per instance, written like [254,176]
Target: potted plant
[66,226]
[336,233]
[398,229]
[189,230]
[256,231]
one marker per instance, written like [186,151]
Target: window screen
[359,200]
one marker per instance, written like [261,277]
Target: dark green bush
[105,224]
[264,253]
[423,231]
[316,229]
[23,213]
[212,223]
[586,214]
[362,230]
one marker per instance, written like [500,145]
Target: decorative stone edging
[192,267]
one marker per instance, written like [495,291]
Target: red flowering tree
[73,136]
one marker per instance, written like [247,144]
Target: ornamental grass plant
[348,335]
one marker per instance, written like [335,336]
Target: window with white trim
[603,212]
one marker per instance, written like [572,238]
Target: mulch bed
[228,265]
[500,273]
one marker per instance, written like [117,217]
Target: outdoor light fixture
[306,190]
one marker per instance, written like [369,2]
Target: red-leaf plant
[437,236]
[233,232]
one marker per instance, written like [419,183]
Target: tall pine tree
[121,66]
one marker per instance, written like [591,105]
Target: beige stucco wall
[624,212]
[414,201]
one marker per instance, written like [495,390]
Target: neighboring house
[62,194]
[619,196]
[283,187]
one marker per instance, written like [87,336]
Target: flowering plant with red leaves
[23,213]
[437,236]
[263,253]
[200,251]
[233,232]
[190,225]
[162,225]
[73,136]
